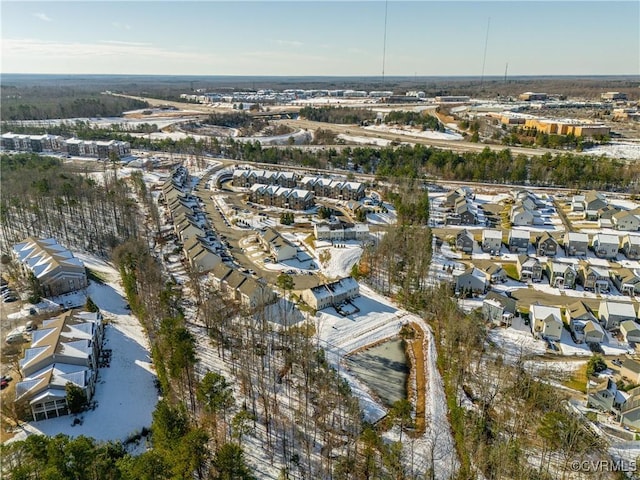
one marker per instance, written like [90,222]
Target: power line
[486,42]
[384,42]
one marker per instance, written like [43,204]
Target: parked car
[9,299]
[30,326]
[617,362]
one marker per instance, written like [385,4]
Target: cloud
[121,26]
[43,16]
[38,49]
[289,43]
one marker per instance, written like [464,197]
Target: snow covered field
[381,142]
[447,135]
[624,150]
[125,391]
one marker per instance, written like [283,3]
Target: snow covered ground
[447,135]
[341,259]
[125,392]
[623,150]
[381,142]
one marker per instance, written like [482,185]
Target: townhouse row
[72,146]
[319,186]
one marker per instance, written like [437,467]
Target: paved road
[236,236]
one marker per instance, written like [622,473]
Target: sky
[434,38]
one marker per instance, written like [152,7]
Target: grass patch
[511,270]
[95,276]
[578,380]
[311,241]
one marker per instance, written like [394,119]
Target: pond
[383,369]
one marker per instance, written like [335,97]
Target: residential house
[232,283]
[631,246]
[331,294]
[613,313]
[472,280]
[255,294]
[605,246]
[493,271]
[607,397]
[628,221]
[630,331]
[339,231]
[187,227]
[593,278]
[464,241]
[491,240]
[593,201]
[55,267]
[529,269]
[626,281]
[630,410]
[561,275]
[451,198]
[521,216]
[463,214]
[630,370]
[273,195]
[605,216]
[519,241]
[576,244]
[64,350]
[498,309]
[583,324]
[546,245]
[199,255]
[219,273]
[546,321]
[274,243]
[577,203]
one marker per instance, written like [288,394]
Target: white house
[630,331]
[546,321]
[605,246]
[280,248]
[491,240]
[613,313]
[331,294]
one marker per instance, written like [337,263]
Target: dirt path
[418,364]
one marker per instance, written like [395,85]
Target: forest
[427,122]
[341,115]
[41,103]
[41,196]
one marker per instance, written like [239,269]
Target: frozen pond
[383,369]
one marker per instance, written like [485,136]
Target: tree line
[427,122]
[43,105]
[405,161]
[343,115]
